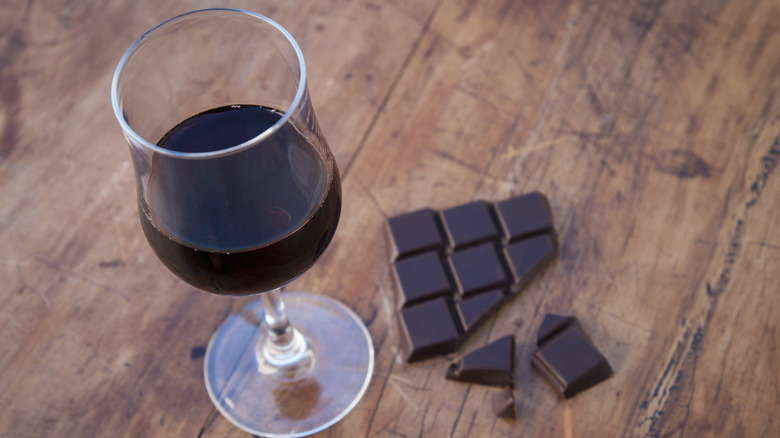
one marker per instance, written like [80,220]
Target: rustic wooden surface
[651,125]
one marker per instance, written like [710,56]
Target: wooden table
[651,125]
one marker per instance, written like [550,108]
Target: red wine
[246,222]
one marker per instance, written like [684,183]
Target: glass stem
[284,347]
[279,328]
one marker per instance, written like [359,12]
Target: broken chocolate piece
[551,325]
[468,224]
[421,277]
[526,258]
[478,268]
[504,404]
[524,216]
[427,330]
[492,364]
[415,232]
[475,309]
[570,362]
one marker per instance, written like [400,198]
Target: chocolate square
[468,224]
[526,258]
[478,268]
[428,330]
[491,365]
[570,362]
[415,232]
[523,216]
[551,325]
[421,277]
[473,310]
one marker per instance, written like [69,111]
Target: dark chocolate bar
[492,364]
[472,256]
[569,360]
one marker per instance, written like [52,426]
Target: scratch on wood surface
[735,242]
[646,26]
[460,412]
[213,415]
[566,137]
[26,286]
[668,407]
[462,163]
[60,273]
[403,395]
[471,423]
[381,394]
[567,420]
[14,323]
[527,150]
[459,135]
[478,97]
[373,200]
[422,422]
[726,354]
[110,263]
[763,245]
[407,382]
[682,163]
[768,163]
[10,87]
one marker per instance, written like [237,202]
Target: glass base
[265,400]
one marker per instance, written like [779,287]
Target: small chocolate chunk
[570,362]
[504,404]
[428,330]
[415,232]
[524,216]
[478,268]
[475,309]
[492,364]
[551,325]
[526,258]
[468,224]
[421,277]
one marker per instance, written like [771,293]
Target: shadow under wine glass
[239,194]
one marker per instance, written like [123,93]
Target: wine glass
[239,194]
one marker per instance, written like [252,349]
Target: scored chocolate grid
[474,261]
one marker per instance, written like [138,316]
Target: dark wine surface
[242,223]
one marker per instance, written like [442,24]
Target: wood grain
[653,126]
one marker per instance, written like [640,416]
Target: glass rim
[137,138]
